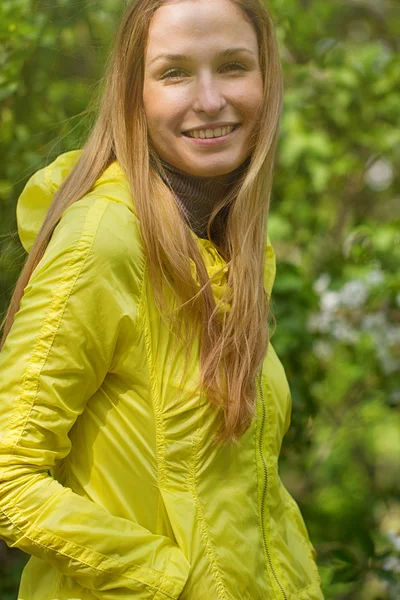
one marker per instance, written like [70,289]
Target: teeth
[210,133]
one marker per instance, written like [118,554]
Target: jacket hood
[37,196]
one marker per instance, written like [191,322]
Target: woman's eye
[177,73]
[236,66]
[171,74]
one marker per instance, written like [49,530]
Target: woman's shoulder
[108,225]
[105,213]
[98,234]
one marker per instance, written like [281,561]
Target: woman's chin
[208,168]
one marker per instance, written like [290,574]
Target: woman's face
[202,73]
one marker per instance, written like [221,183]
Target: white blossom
[380,175]
[341,330]
[353,294]
[346,327]
[330,301]
[375,322]
[321,284]
[323,349]
[393,336]
[389,363]
[320,322]
[392,563]
[394,537]
[375,277]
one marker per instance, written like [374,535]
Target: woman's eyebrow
[224,53]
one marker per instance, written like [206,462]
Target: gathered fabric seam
[216,571]
[277,565]
[159,425]
[55,311]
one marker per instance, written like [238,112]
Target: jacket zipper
[265,487]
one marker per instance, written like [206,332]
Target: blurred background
[335,226]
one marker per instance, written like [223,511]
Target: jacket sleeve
[56,356]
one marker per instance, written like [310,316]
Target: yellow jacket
[106,479]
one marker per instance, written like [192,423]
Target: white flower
[323,349]
[376,322]
[321,284]
[380,175]
[353,294]
[320,322]
[393,591]
[341,330]
[394,538]
[389,364]
[393,336]
[330,301]
[375,277]
[392,563]
[313,323]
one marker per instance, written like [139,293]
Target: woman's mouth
[211,137]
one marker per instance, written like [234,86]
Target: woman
[142,406]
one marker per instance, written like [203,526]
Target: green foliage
[335,226]
[335,219]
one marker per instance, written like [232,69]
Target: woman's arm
[59,349]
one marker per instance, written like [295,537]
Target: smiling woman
[142,404]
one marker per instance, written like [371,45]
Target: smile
[210,133]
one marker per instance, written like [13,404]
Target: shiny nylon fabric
[107,473]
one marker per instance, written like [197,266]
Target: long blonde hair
[232,348]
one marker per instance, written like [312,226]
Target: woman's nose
[208,96]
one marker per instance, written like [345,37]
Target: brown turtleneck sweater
[197,196]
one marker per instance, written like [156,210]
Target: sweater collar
[197,196]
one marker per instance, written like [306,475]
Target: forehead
[184,25]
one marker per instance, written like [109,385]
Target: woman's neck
[197,196]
